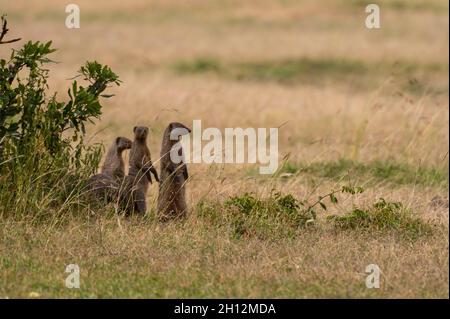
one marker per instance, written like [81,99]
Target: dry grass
[396,116]
[144,259]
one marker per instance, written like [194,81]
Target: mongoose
[173,174]
[113,166]
[134,188]
[101,188]
[104,186]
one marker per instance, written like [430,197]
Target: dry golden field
[354,105]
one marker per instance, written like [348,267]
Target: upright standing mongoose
[134,188]
[114,165]
[104,185]
[174,174]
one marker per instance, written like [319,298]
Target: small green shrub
[383,216]
[284,216]
[268,218]
[273,217]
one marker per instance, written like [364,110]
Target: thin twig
[5,31]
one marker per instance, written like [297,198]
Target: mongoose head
[140,132]
[123,143]
[176,129]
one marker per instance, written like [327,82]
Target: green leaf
[333,199]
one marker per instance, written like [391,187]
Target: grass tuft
[383,216]
[283,216]
[274,217]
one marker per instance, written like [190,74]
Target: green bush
[283,216]
[273,217]
[383,216]
[43,155]
[267,218]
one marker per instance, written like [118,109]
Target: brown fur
[101,188]
[172,188]
[135,186]
[105,185]
[114,165]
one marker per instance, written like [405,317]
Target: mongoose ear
[134,129]
[117,140]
